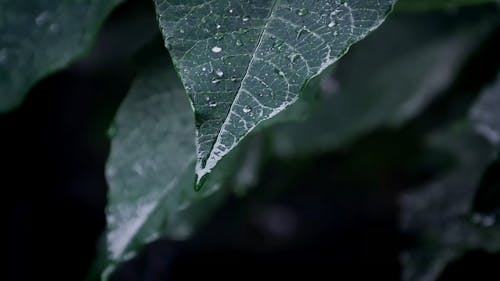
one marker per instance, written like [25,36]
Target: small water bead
[216,49]
[212,104]
[231,11]
[332,24]
[204,69]
[219,73]
[239,43]
[247,109]
[216,81]
[302,12]
[246,18]
[218,26]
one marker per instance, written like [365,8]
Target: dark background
[311,218]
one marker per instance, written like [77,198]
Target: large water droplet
[302,12]
[216,49]
[218,26]
[247,109]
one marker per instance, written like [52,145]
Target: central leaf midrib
[268,20]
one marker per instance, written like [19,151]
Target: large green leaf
[243,62]
[407,62]
[39,37]
[151,166]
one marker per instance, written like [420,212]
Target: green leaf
[406,64]
[39,37]
[485,114]
[243,62]
[438,213]
[151,165]
[427,5]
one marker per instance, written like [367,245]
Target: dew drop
[181,30]
[332,24]
[247,109]
[204,69]
[215,81]
[216,49]
[231,11]
[212,104]
[218,26]
[246,18]
[239,43]
[302,12]
[219,73]
[207,98]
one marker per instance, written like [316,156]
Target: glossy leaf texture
[39,37]
[405,66]
[243,62]
[151,165]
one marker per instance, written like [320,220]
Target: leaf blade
[246,61]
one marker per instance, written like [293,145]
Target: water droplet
[218,26]
[207,98]
[204,69]
[216,80]
[216,49]
[302,12]
[246,18]
[231,11]
[219,73]
[332,24]
[42,18]
[247,109]
[239,43]
[54,28]
[181,30]
[212,104]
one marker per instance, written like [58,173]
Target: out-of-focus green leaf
[39,37]
[486,113]
[243,62]
[404,66]
[427,5]
[438,213]
[151,165]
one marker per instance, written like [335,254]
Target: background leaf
[40,37]
[150,168]
[426,5]
[243,62]
[399,80]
